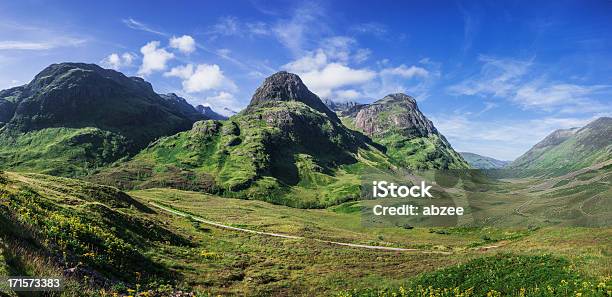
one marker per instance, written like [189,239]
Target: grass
[67,228]
[192,256]
[501,275]
[61,151]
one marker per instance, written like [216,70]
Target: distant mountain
[287,147]
[411,139]
[181,104]
[75,116]
[229,112]
[210,113]
[340,106]
[482,162]
[564,151]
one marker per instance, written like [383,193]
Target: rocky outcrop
[285,86]
[7,110]
[394,113]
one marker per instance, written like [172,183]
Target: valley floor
[309,262]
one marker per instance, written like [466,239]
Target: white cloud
[498,77]
[302,28]
[226,26]
[154,58]
[375,29]
[327,69]
[183,72]
[310,62]
[232,26]
[406,72]
[545,96]
[362,55]
[334,75]
[202,77]
[186,44]
[510,79]
[258,28]
[136,25]
[116,61]
[41,45]
[346,95]
[221,102]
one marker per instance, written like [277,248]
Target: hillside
[74,117]
[287,147]
[564,151]
[482,162]
[95,236]
[411,139]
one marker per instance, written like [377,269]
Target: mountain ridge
[84,116]
[283,148]
[567,150]
[483,162]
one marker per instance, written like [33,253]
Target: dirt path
[354,245]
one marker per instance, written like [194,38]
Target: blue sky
[495,77]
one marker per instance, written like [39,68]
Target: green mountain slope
[283,149]
[58,227]
[75,116]
[565,151]
[411,139]
[483,162]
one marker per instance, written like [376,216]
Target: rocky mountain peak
[397,97]
[285,86]
[65,75]
[395,112]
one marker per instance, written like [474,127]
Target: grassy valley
[101,226]
[271,201]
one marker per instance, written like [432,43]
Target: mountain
[340,107]
[284,86]
[564,151]
[229,112]
[411,139]
[74,116]
[482,162]
[210,113]
[286,147]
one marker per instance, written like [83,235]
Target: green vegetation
[61,151]
[421,153]
[95,232]
[75,117]
[556,155]
[160,253]
[501,275]
[281,152]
